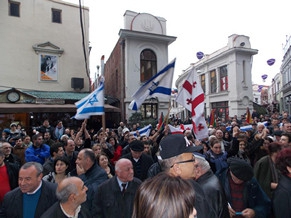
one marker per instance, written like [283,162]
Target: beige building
[42,31]
[43,60]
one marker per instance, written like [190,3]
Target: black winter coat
[282,198]
[12,206]
[214,193]
[109,202]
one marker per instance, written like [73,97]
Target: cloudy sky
[199,26]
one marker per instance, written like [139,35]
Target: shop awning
[26,108]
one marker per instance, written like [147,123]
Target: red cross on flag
[191,96]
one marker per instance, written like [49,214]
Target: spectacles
[184,161]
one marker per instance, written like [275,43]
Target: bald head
[72,186]
[124,170]
[65,182]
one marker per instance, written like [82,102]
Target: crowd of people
[241,170]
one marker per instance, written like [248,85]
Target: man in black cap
[243,192]
[177,159]
[141,162]
[277,135]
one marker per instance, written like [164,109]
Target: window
[223,78]
[56,16]
[148,65]
[202,78]
[221,109]
[14,9]
[213,81]
[149,109]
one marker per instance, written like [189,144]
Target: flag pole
[103,123]
[167,116]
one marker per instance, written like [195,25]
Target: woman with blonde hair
[165,196]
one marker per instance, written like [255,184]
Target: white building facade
[226,78]
[140,53]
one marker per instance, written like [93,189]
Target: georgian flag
[224,83]
[191,97]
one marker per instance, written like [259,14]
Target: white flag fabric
[191,96]
[160,85]
[143,131]
[180,129]
[93,104]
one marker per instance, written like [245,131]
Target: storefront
[30,109]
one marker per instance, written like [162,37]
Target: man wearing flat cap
[177,159]
[141,162]
[244,194]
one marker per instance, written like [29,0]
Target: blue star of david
[153,87]
[93,99]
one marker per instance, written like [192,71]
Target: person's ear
[40,176]
[72,197]
[177,169]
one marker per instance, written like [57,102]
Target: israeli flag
[248,127]
[160,85]
[93,104]
[143,131]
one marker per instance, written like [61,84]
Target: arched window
[148,65]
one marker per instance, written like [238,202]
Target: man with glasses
[177,159]
[9,156]
[39,151]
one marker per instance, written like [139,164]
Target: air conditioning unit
[77,83]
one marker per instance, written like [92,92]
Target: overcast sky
[200,26]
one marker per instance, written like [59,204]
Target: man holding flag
[191,97]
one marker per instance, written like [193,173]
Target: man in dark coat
[248,199]
[45,127]
[91,174]
[71,193]
[33,196]
[115,197]
[211,186]
[141,162]
[71,154]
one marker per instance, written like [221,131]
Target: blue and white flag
[93,104]
[143,131]
[248,127]
[160,85]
